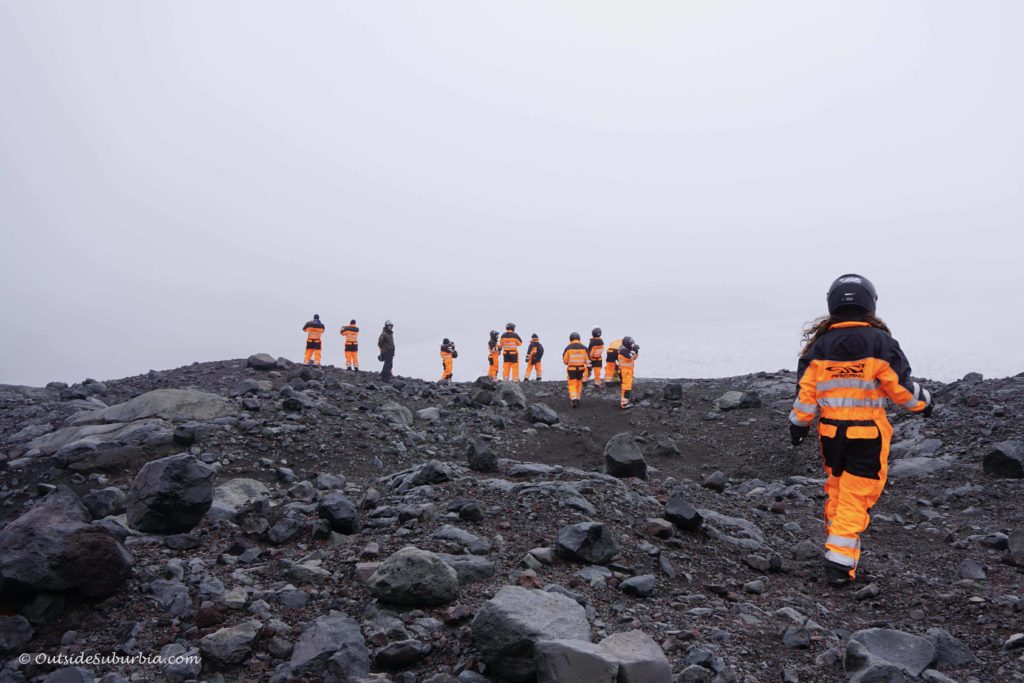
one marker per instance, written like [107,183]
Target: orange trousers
[510,366]
[609,371]
[536,367]
[352,359]
[446,368]
[575,381]
[626,374]
[597,372]
[313,349]
[492,365]
[856,456]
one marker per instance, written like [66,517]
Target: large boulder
[415,578]
[1005,460]
[234,494]
[509,625]
[573,661]
[331,637]
[511,393]
[679,511]
[590,542]
[878,648]
[52,547]
[640,658]
[543,413]
[397,414]
[262,361]
[103,446]
[480,457]
[731,400]
[176,405]
[170,495]
[623,457]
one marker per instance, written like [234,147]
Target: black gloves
[797,434]
[927,412]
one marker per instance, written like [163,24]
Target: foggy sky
[188,181]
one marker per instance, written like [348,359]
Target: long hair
[820,326]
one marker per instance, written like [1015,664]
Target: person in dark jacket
[595,349]
[314,330]
[534,354]
[386,345]
[848,368]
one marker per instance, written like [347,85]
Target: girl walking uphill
[848,367]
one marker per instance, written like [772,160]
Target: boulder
[480,457]
[234,494]
[679,511]
[590,542]
[469,568]
[511,393]
[170,495]
[640,658]
[731,400]
[176,405]
[415,578]
[509,625]
[230,646]
[664,448]
[431,414]
[541,412]
[331,637]
[105,502]
[1005,460]
[623,457]
[52,547]
[573,661]
[104,442]
[909,468]
[400,654]
[949,651]
[640,586]
[397,414]
[340,512]
[261,361]
[876,648]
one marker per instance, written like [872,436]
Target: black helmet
[628,342]
[534,336]
[316,316]
[352,321]
[575,336]
[446,341]
[510,326]
[494,333]
[851,290]
[596,332]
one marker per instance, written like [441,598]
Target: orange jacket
[575,355]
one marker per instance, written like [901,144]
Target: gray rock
[469,568]
[400,654]
[283,529]
[509,625]
[541,412]
[480,456]
[933,676]
[170,495]
[181,669]
[590,542]
[623,457]
[640,659]
[573,661]
[640,586]
[232,645]
[15,634]
[511,393]
[949,651]
[1014,642]
[971,569]
[105,502]
[679,511]
[909,468]
[333,641]
[694,673]
[173,596]
[665,448]
[731,400]
[715,481]
[261,361]
[874,647]
[70,674]
[1005,460]
[432,472]
[52,547]
[673,392]
[234,494]
[1015,547]
[431,414]
[414,577]
[176,405]
[397,414]
[340,513]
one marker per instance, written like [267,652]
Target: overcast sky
[184,181]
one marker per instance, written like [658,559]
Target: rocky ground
[298,524]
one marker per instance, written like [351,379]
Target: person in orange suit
[534,354]
[448,352]
[611,360]
[510,343]
[314,329]
[576,360]
[493,355]
[351,334]
[849,366]
[595,349]
[626,360]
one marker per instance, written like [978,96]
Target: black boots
[836,575]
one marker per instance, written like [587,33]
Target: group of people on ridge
[580,361]
[849,366]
